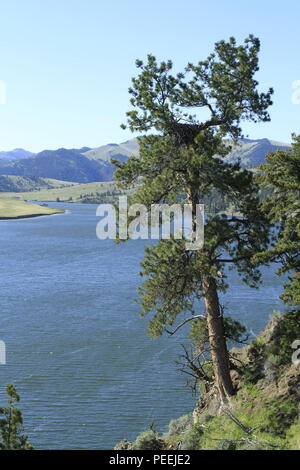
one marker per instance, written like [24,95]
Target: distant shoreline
[31,216]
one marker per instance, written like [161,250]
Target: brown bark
[217,339]
[215,323]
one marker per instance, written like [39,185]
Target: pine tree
[185,156]
[281,175]
[11,425]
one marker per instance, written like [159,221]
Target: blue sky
[67,64]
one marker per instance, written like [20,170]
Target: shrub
[123,445]
[191,440]
[281,416]
[11,424]
[148,440]
[180,425]
[286,331]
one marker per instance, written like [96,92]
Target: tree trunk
[217,339]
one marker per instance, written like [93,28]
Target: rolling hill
[12,183]
[61,164]
[250,152]
[253,152]
[118,151]
[87,165]
[16,154]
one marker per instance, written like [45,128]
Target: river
[77,351]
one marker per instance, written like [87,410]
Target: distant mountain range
[16,154]
[61,164]
[253,152]
[87,165]
[118,151]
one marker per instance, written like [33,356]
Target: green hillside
[264,413]
[74,193]
[17,209]
[62,164]
[12,183]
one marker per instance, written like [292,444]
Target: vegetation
[18,184]
[62,164]
[249,396]
[18,209]
[98,192]
[264,413]
[281,174]
[11,424]
[249,152]
[287,330]
[181,159]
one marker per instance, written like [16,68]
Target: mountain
[61,164]
[16,154]
[253,152]
[250,152]
[118,151]
[87,165]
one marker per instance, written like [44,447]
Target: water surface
[77,352]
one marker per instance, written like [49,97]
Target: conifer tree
[11,424]
[281,175]
[185,156]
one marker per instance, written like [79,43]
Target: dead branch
[195,317]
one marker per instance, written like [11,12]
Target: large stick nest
[183,134]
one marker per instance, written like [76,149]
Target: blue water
[77,351]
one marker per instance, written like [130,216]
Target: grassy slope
[64,194]
[14,209]
[263,415]
[58,183]
[12,183]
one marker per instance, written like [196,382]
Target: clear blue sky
[67,64]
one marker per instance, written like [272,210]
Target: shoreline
[31,216]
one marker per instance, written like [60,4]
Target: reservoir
[77,351]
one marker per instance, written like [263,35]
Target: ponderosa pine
[192,115]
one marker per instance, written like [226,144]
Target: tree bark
[217,340]
[215,323]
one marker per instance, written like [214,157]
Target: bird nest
[184,134]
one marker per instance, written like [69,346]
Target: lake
[77,351]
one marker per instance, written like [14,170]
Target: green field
[59,183]
[74,193]
[12,208]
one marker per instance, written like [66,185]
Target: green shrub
[180,425]
[281,416]
[293,436]
[123,445]
[148,440]
[254,370]
[11,424]
[191,440]
[285,332]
